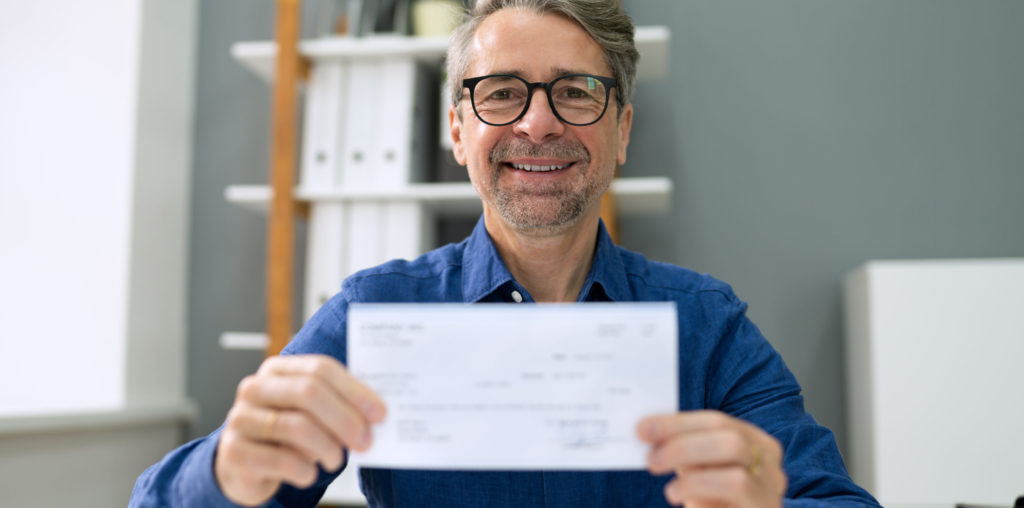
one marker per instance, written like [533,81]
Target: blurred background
[803,139]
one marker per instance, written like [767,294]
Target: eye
[578,90]
[500,95]
[575,93]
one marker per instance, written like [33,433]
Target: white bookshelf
[363,163]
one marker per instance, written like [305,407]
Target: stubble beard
[549,208]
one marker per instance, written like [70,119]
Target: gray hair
[603,20]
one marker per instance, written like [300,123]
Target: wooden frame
[282,213]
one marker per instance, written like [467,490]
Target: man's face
[538,48]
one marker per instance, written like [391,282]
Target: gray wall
[227,253]
[804,137]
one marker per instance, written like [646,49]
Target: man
[541,120]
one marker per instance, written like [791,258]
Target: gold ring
[268,425]
[756,459]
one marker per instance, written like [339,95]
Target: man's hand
[295,412]
[718,460]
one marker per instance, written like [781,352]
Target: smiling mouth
[536,167]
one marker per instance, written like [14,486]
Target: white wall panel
[67,145]
[95,159]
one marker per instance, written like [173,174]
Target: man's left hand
[718,460]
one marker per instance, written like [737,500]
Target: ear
[455,130]
[625,123]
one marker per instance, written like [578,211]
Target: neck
[552,266]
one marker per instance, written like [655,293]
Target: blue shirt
[724,364]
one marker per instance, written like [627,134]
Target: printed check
[548,386]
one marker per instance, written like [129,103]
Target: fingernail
[652,460]
[373,412]
[650,429]
[364,441]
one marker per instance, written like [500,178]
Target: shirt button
[517,296]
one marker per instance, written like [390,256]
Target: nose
[539,123]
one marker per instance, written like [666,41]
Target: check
[491,386]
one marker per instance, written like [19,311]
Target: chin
[544,220]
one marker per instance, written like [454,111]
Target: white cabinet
[935,393]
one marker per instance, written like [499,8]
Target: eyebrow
[556,71]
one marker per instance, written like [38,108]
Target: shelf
[634,196]
[258,56]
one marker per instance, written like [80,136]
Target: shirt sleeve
[185,478]
[749,380]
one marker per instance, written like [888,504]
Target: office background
[804,137]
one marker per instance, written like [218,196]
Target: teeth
[532,167]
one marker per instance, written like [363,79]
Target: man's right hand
[295,412]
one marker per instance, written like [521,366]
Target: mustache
[559,149]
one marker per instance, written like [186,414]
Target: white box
[934,380]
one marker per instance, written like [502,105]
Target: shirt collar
[484,272]
[608,271]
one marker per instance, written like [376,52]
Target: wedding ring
[268,425]
[756,459]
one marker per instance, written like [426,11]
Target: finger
[729,486]
[311,395]
[293,429]
[653,429]
[674,491]
[701,449]
[298,431]
[335,375]
[267,462]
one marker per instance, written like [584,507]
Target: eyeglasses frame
[607,82]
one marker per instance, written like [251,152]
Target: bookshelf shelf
[258,56]
[634,196]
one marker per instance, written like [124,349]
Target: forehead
[534,46]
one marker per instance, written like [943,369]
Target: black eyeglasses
[576,99]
